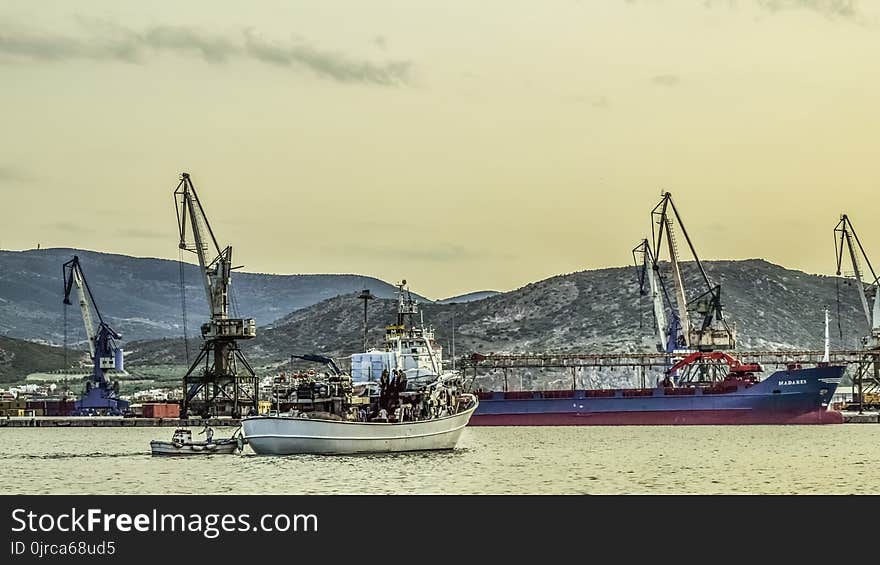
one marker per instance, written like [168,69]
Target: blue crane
[100,395]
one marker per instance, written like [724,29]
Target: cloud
[837,9]
[327,64]
[666,80]
[831,8]
[111,42]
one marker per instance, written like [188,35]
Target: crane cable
[65,336]
[183,302]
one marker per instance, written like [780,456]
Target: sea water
[831,459]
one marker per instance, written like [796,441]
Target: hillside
[589,311]
[18,358]
[141,298]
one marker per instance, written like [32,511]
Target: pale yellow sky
[461,145]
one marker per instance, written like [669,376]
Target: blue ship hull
[794,396]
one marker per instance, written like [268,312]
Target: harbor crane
[711,333]
[867,378]
[220,381]
[101,394]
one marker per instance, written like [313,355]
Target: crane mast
[713,332]
[101,395]
[225,383]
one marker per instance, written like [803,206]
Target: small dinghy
[182,444]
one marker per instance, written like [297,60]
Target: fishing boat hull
[169,448]
[285,435]
[795,396]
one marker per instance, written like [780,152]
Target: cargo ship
[796,395]
[703,385]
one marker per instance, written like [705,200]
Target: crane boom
[73,276]
[846,236]
[215,273]
[644,261]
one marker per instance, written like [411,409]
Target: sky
[461,145]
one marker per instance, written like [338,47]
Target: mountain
[140,297]
[589,311]
[18,358]
[469,297]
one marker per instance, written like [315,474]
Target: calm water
[700,459]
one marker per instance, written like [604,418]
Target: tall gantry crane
[101,394]
[867,378]
[220,381]
[712,332]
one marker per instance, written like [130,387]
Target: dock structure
[477,361]
[477,364]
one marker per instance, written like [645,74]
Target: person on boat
[209,433]
[401,380]
[384,386]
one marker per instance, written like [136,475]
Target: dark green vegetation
[18,358]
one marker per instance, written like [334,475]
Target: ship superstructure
[409,345]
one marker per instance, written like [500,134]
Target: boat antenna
[453,338]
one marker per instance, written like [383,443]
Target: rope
[839,327]
[183,302]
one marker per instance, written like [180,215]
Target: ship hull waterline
[796,396]
[283,435]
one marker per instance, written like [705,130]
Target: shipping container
[161,410]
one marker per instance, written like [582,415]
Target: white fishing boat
[182,444]
[396,399]
[285,434]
